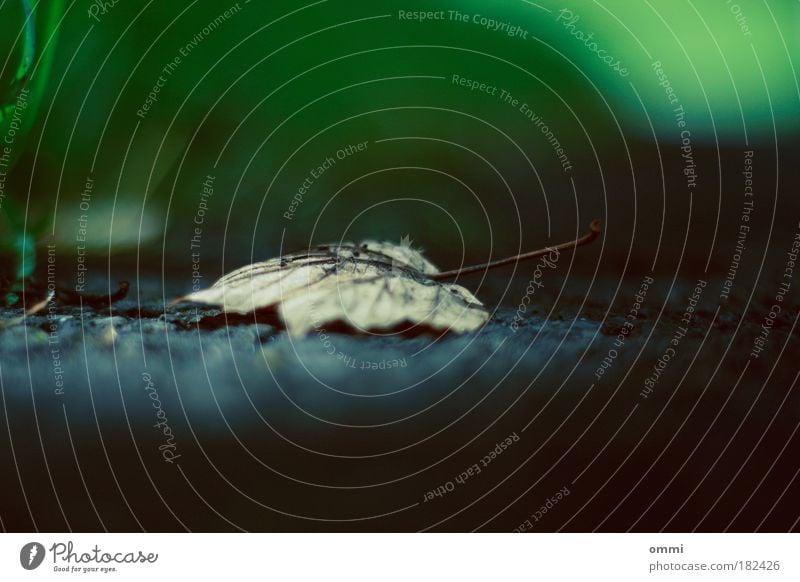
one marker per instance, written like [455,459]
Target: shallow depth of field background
[251,111]
[279,87]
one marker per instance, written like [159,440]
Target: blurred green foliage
[263,96]
[28,46]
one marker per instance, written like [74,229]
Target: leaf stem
[594,232]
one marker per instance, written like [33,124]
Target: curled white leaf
[373,286]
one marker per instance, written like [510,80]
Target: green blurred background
[266,91]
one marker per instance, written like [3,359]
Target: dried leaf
[33,310]
[368,287]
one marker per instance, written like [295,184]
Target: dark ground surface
[275,434]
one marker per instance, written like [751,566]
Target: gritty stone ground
[253,430]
